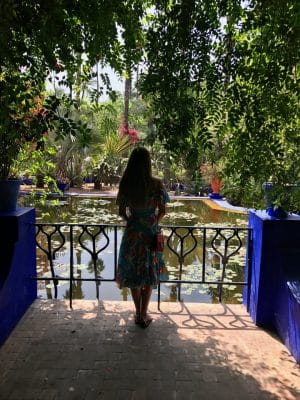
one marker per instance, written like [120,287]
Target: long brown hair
[136,180]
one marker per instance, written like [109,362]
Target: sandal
[137,319]
[145,321]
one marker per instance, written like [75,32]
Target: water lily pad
[60,283]
[81,266]
[175,204]
[59,266]
[231,287]
[213,286]
[103,202]
[238,295]
[64,275]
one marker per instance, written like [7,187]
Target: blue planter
[62,186]
[215,196]
[9,191]
[276,212]
[271,210]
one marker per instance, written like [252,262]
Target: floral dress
[138,263]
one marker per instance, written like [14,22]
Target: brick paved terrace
[190,351]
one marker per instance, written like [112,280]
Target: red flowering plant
[132,134]
[211,175]
[23,118]
[26,114]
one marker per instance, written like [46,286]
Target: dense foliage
[39,37]
[220,81]
[59,30]
[223,82]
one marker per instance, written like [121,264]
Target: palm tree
[127,95]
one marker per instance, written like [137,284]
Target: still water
[183,212]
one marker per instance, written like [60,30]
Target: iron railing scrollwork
[51,238]
[181,243]
[225,242]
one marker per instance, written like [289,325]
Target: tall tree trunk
[127,95]
[78,79]
[98,83]
[137,80]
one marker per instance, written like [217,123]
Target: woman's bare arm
[161,212]
[122,212]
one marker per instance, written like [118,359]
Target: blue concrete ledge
[17,267]
[294,288]
[294,319]
[287,316]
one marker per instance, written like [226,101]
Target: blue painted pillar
[274,298]
[274,245]
[17,267]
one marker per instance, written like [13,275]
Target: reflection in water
[125,292]
[173,293]
[100,211]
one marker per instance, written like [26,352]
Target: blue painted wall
[17,267]
[275,269]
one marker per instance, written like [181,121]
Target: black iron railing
[220,243]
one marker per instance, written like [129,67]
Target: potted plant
[281,199]
[26,116]
[23,119]
[62,181]
[210,174]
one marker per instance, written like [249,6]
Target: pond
[180,212]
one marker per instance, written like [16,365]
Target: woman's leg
[137,298]
[146,295]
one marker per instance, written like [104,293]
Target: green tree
[179,60]
[222,81]
[264,92]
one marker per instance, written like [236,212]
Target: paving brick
[189,352]
[124,395]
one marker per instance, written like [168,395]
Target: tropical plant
[23,117]
[109,168]
[106,118]
[31,49]
[27,114]
[38,163]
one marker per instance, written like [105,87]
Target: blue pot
[215,196]
[277,212]
[62,186]
[9,191]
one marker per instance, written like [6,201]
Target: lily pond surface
[183,212]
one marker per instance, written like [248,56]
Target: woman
[141,199]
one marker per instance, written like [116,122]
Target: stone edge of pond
[216,204]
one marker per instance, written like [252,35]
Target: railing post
[71,266]
[18,289]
